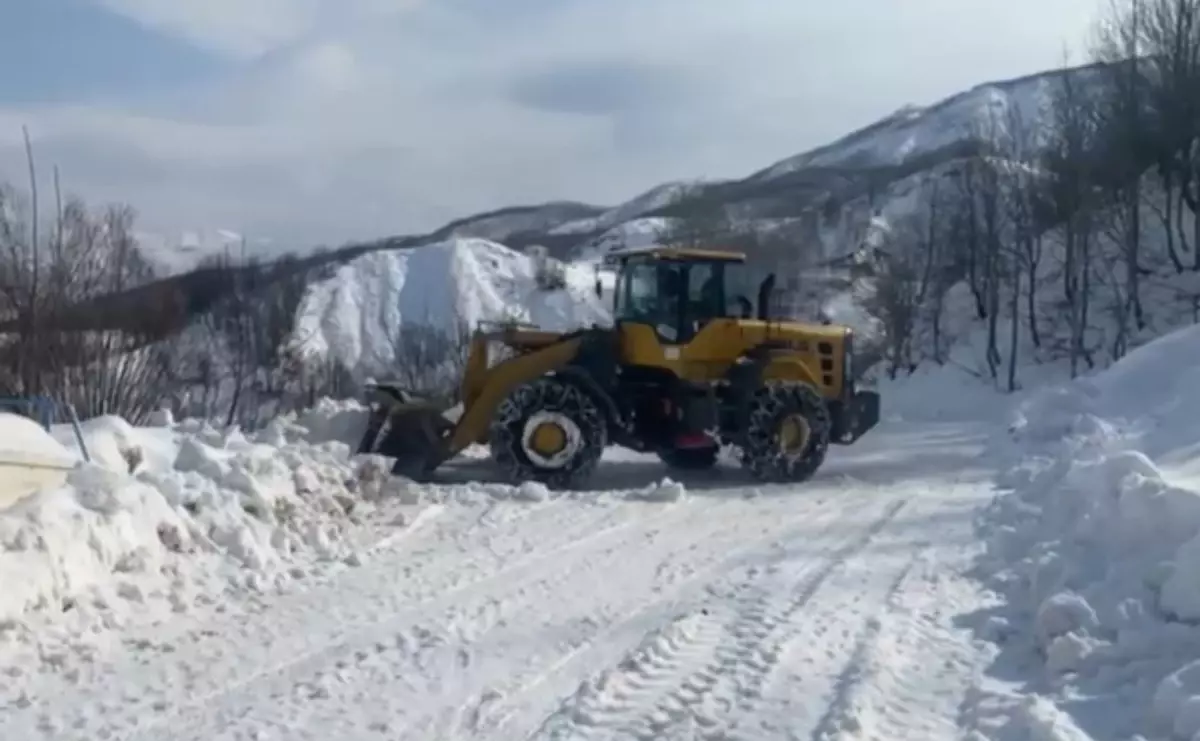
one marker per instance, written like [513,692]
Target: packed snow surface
[198,583]
[354,317]
[1096,544]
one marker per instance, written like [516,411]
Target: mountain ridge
[815,189]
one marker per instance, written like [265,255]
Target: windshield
[647,292]
[652,292]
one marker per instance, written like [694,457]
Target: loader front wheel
[787,434]
[550,431]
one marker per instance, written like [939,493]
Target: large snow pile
[354,316]
[163,516]
[1095,541]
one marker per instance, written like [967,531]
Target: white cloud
[356,118]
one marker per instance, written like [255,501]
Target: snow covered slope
[1095,540]
[353,317]
[653,199]
[915,131]
[499,225]
[626,235]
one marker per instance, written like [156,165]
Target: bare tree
[1128,142]
[1069,163]
[1168,37]
[68,334]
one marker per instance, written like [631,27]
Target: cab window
[653,293]
[706,294]
[637,292]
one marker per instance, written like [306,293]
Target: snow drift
[160,512]
[354,316]
[1095,538]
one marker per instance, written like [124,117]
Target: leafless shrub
[62,332]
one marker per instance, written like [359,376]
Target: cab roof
[678,253]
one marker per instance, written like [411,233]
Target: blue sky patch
[71,50]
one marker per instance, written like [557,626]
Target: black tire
[769,407]
[569,403]
[690,459]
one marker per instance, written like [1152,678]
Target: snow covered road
[824,611]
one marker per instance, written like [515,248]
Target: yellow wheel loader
[689,365]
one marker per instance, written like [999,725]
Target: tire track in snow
[840,715]
[191,716]
[706,665]
[635,624]
[471,705]
[912,668]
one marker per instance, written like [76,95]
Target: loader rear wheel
[550,431]
[787,434]
[690,459]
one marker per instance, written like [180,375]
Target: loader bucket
[410,430]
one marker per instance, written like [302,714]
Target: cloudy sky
[322,121]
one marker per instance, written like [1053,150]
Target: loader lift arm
[420,435]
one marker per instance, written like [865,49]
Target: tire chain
[761,454]
[554,395]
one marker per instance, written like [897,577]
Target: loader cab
[678,291]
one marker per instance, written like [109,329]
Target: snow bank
[353,316]
[1095,541]
[166,514]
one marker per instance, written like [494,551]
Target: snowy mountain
[821,191]
[652,200]
[818,193]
